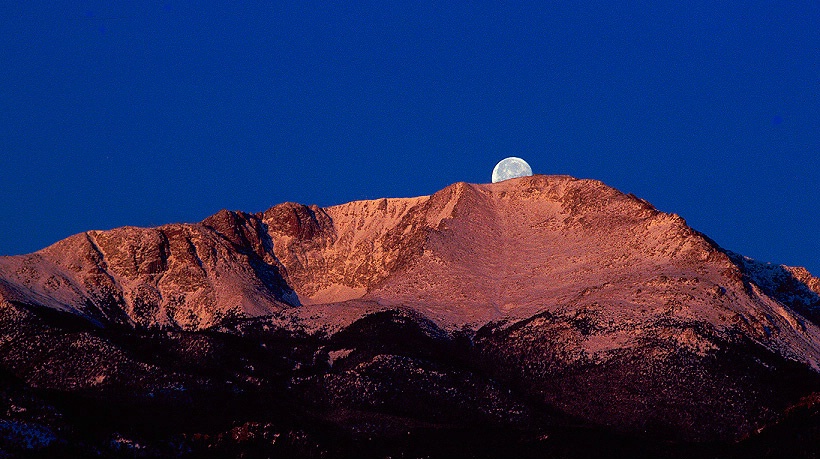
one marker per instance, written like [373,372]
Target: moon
[510,168]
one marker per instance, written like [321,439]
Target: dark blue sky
[142,113]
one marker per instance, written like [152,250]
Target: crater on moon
[510,168]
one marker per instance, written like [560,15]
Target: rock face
[525,317]
[179,276]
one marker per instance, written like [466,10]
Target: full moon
[510,168]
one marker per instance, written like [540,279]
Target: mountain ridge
[533,308]
[291,252]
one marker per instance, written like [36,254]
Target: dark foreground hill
[540,316]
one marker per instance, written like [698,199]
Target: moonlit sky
[142,113]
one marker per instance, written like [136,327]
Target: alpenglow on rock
[513,317]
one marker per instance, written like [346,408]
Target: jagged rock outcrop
[177,276]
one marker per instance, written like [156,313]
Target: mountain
[542,316]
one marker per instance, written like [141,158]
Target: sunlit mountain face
[537,316]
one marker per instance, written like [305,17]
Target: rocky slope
[179,276]
[533,315]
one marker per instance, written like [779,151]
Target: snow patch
[333,293]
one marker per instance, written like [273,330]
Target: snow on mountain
[464,256]
[530,307]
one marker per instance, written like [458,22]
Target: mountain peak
[466,255]
[587,301]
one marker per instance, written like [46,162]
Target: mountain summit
[526,307]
